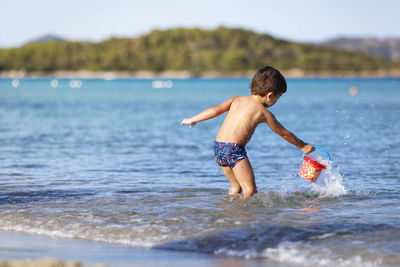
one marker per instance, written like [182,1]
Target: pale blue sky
[299,20]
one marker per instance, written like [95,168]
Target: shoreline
[111,75]
[31,249]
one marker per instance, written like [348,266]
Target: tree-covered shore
[223,51]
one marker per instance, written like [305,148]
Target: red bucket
[311,169]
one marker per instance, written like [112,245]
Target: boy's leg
[243,172]
[235,186]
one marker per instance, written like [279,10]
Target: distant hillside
[223,50]
[47,38]
[388,48]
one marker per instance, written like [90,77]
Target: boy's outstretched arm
[275,125]
[209,113]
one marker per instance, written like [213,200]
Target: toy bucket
[311,169]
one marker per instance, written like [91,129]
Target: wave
[316,245]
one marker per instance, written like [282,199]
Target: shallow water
[109,162]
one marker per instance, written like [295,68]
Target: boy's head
[268,80]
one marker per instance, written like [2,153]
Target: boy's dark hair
[267,80]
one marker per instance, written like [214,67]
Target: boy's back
[244,114]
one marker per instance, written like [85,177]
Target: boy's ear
[268,95]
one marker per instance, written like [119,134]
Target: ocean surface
[108,161]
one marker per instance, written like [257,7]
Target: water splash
[333,180]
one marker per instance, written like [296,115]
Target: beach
[45,251]
[101,172]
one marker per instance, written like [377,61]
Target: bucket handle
[323,150]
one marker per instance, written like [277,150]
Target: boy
[244,114]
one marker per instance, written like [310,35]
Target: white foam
[324,236]
[303,254]
[299,253]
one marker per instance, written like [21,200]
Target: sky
[295,20]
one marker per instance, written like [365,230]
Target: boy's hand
[189,122]
[307,149]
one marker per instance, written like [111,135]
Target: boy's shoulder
[250,103]
[241,98]
[248,100]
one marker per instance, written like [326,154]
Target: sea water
[108,161]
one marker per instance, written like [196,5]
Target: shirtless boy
[244,115]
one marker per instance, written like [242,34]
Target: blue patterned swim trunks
[229,154]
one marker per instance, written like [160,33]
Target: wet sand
[21,249]
[44,262]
